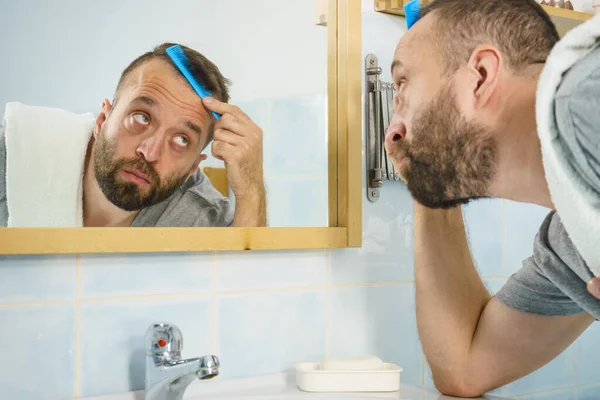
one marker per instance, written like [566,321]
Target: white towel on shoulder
[571,196]
[45,155]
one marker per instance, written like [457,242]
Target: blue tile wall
[377,321]
[38,351]
[37,278]
[263,334]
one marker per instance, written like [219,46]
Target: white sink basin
[279,387]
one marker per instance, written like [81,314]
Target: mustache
[140,165]
[400,149]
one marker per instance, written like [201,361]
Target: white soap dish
[348,377]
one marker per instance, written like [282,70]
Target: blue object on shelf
[412,9]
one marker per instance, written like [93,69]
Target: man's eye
[181,141]
[141,119]
[399,84]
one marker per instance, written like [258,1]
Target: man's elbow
[457,386]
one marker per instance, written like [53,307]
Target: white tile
[112,339]
[567,394]
[269,270]
[483,222]
[588,392]
[38,353]
[522,225]
[558,374]
[387,252]
[144,274]
[380,36]
[377,321]
[37,278]
[297,201]
[266,334]
[588,350]
[298,140]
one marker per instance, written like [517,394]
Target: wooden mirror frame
[345,180]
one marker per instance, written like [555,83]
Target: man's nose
[395,133]
[150,148]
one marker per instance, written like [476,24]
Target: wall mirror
[99,153]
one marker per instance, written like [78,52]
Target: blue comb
[181,62]
[412,9]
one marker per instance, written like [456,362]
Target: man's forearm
[251,210]
[450,293]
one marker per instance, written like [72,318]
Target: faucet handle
[164,338]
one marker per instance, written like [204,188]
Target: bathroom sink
[278,387]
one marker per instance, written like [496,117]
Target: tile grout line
[588,385]
[327,303]
[550,391]
[197,295]
[38,304]
[77,372]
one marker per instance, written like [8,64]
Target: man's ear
[485,65]
[102,116]
[201,157]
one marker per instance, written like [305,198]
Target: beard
[127,195]
[450,160]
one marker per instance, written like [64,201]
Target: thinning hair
[201,68]
[520,29]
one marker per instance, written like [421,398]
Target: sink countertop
[279,387]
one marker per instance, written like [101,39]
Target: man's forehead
[156,70]
[161,79]
[415,43]
[156,83]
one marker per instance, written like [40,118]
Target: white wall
[70,53]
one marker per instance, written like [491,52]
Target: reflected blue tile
[269,270]
[38,352]
[297,142]
[588,392]
[297,202]
[378,321]
[259,112]
[144,274]
[588,349]
[37,278]
[558,374]
[387,252]
[264,334]
[112,339]
[522,225]
[483,220]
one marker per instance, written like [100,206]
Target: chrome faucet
[167,375]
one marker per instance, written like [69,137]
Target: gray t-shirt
[553,280]
[195,204]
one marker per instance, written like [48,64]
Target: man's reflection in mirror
[137,162]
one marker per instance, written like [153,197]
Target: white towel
[45,155]
[571,196]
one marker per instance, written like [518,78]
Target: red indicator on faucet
[162,342]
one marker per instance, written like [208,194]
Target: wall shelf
[564,20]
